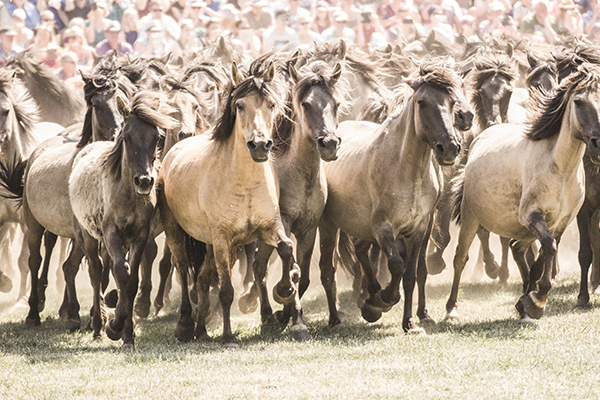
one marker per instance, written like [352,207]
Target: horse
[44,192]
[220,189]
[186,108]
[539,168]
[383,189]
[304,138]
[56,101]
[210,79]
[113,198]
[20,131]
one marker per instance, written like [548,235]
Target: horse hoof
[582,306]
[283,296]
[33,320]
[6,284]
[596,290]
[451,315]
[158,308]
[492,269]
[112,333]
[334,322]
[435,264]
[184,332]
[73,324]
[411,328]
[247,304]
[388,303]
[526,320]
[532,306]
[128,347]
[111,298]
[231,346]
[142,307]
[370,313]
[281,319]
[427,321]
[299,333]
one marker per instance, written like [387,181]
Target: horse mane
[568,59]
[438,75]
[26,109]
[541,67]
[224,127]
[485,67]
[211,68]
[150,107]
[547,110]
[105,77]
[223,49]
[317,73]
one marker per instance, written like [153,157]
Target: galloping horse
[384,186]
[303,138]
[220,188]
[526,183]
[113,198]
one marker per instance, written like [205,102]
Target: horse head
[316,104]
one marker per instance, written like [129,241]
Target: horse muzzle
[259,149]
[593,150]
[463,120]
[446,154]
[328,147]
[143,184]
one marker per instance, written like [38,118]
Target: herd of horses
[229,157]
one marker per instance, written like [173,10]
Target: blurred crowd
[66,34]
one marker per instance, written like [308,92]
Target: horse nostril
[251,145]
[137,181]
[321,142]
[151,181]
[594,143]
[439,148]
[269,145]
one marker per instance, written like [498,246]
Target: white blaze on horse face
[254,116]
[585,118]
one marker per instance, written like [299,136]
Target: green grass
[487,354]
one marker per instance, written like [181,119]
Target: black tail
[11,180]
[345,256]
[196,253]
[458,187]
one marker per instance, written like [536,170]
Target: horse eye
[306,105]
[578,102]
[240,107]
[421,103]
[271,106]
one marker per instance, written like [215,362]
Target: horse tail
[11,180]
[345,256]
[458,187]
[196,253]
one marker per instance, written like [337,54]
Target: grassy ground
[486,354]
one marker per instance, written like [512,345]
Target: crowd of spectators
[66,34]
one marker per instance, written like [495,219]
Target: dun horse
[539,168]
[220,188]
[380,204]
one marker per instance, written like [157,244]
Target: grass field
[487,354]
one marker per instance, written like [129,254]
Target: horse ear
[122,107]
[397,49]
[270,72]
[165,59]
[413,83]
[510,50]
[292,71]
[337,72]
[532,60]
[294,58]
[236,74]
[342,49]
[96,58]
[85,76]
[221,45]
[178,61]
[430,39]
[388,49]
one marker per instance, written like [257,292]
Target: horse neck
[303,152]
[12,148]
[399,141]
[568,151]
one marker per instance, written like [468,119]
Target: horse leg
[60,277]
[223,262]
[278,237]
[248,302]
[535,301]
[468,230]
[49,242]
[440,235]
[34,241]
[6,284]
[491,266]
[595,244]
[503,273]
[413,251]
[393,250]
[422,279]
[136,253]
[90,246]
[164,270]
[23,264]
[327,238]
[70,268]
[142,302]
[372,308]
[203,282]
[122,273]
[518,250]
[585,254]
[249,251]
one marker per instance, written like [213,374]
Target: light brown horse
[384,186]
[220,188]
[526,183]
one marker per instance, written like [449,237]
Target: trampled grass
[487,354]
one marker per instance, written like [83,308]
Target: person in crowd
[352,12]
[112,41]
[568,19]
[494,17]
[257,17]
[243,37]
[468,25]
[116,8]
[129,25]
[437,23]
[23,34]
[321,20]
[295,11]
[7,38]
[32,14]
[96,24]
[595,33]
[339,29]
[74,42]
[280,35]
[77,22]
[188,41]
[157,17]
[539,24]
[195,14]
[47,19]
[44,46]
[177,9]
[520,9]
[591,18]
[77,8]
[68,66]
[213,29]
[306,37]
[369,24]
[154,44]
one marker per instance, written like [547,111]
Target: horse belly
[47,190]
